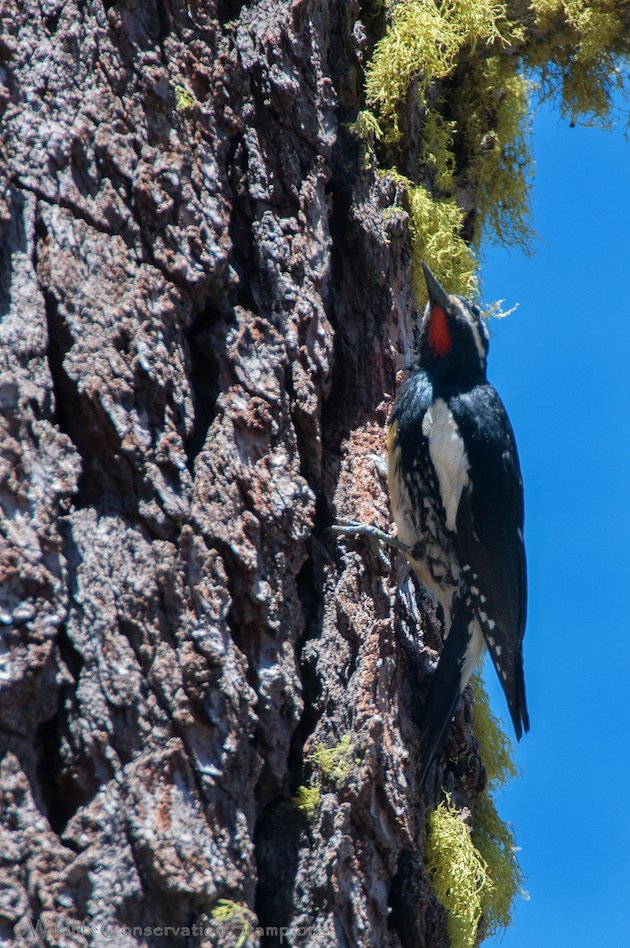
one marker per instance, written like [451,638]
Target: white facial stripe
[448,454]
[474,328]
[477,337]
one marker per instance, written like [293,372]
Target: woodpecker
[457,499]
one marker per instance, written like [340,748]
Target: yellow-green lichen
[436,240]
[365,127]
[334,763]
[495,747]
[308,800]
[423,44]
[438,135]
[184,99]
[466,62]
[494,841]
[366,130]
[458,873]
[493,837]
[471,860]
[491,109]
[473,124]
[239,918]
[581,51]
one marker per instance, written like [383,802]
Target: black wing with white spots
[489,537]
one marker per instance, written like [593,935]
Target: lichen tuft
[308,800]
[473,868]
[495,747]
[582,55]
[493,837]
[184,99]
[458,873]
[237,917]
[423,44]
[334,763]
[472,66]
[435,228]
[494,841]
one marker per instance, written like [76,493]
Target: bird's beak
[437,295]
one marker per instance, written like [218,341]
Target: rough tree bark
[204,319]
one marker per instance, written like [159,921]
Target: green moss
[458,873]
[308,800]
[334,763]
[235,916]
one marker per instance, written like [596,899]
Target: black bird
[457,498]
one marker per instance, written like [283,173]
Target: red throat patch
[439,333]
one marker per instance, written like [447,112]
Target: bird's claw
[375,537]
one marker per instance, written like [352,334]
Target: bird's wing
[489,536]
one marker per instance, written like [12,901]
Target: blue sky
[562,366]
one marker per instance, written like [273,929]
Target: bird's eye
[474,309]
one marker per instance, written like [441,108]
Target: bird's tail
[446,689]
[517,703]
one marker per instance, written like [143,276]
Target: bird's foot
[375,537]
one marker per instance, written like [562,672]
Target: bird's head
[454,340]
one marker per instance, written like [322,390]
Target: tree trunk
[204,319]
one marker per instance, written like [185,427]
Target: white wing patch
[474,650]
[448,454]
